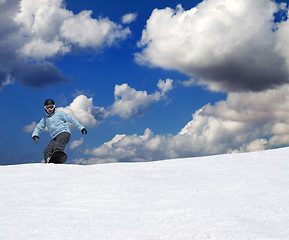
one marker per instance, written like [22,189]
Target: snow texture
[224,197]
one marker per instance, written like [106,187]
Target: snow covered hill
[234,196]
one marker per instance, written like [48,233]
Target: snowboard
[58,157]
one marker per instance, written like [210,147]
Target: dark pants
[56,144]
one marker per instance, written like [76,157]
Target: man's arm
[68,118]
[38,130]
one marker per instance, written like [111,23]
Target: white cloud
[116,139]
[127,148]
[128,18]
[227,45]
[257,145]
[34,32]
[29,128]
[283,39]
[243,122]
[130,102]
[87,32]
[85,112]
[51,29]
[37,48]
[6,81]
[76,143]
[165,86]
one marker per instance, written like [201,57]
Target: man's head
[49,106]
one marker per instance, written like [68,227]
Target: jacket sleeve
[68,118]
[39,128]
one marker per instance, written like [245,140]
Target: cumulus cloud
[85,112]
[130,102]
[12,64]
[225,45]
[128,18]
[48,23]
[76,143]
[265,111]
[33,32]
[126,148]
[87,32]
[29,128]
[243,122]
[37,48]
[165,86]
[283,38]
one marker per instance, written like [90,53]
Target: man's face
[49,108]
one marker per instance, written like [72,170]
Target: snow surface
[235,196]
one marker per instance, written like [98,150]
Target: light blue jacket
[56,123]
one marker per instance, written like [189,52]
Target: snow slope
[235,196]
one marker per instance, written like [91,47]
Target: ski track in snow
[224,197]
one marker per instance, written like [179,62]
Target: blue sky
[150,80]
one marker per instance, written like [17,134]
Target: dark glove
[84,131]
[35,139]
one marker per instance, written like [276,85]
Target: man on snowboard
[55,121]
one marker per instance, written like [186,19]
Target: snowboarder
[55,121]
